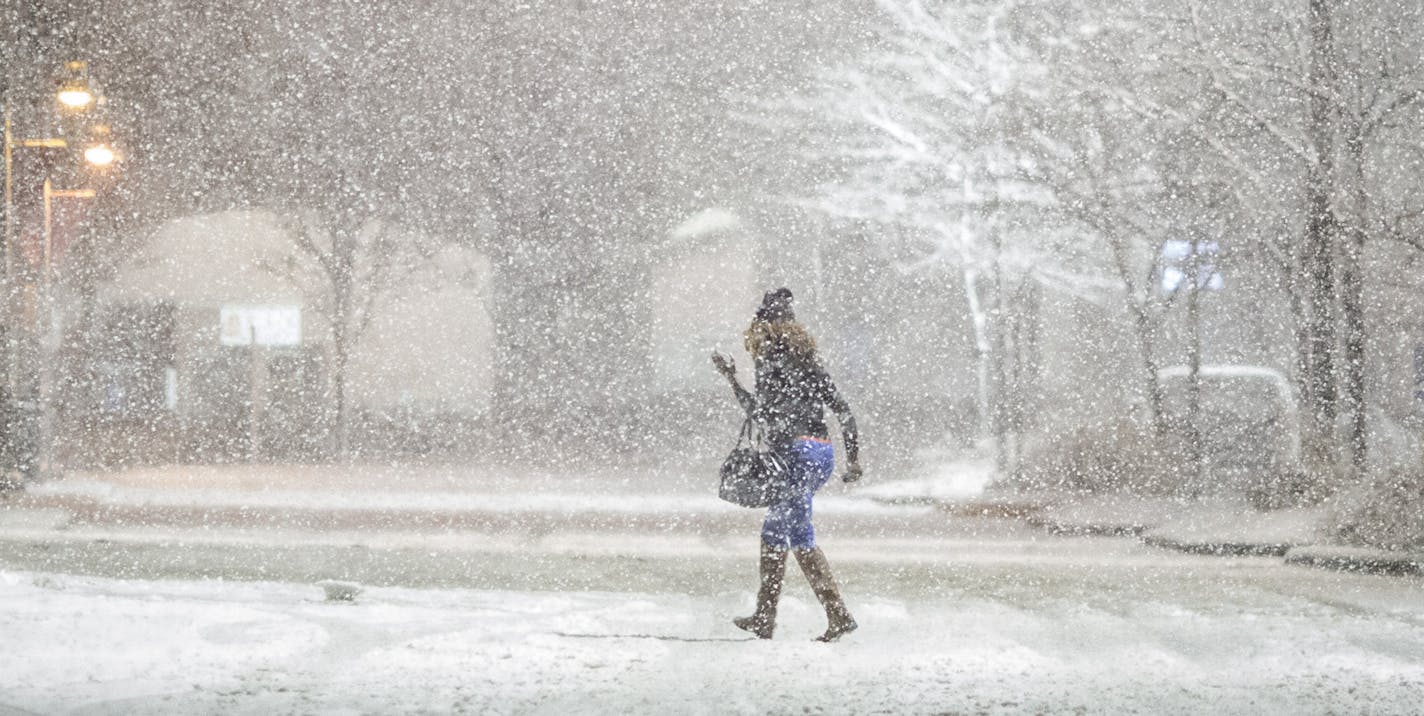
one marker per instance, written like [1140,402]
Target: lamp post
[29,348]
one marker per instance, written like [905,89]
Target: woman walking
[792,393]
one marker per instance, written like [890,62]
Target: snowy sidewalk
[402,525]
[1221,526]
[1215,526]
[424,500]
[392,497]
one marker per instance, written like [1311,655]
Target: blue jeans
[788,522]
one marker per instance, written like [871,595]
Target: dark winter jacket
[793,391]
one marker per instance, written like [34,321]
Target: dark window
[1419,373]
[134,360]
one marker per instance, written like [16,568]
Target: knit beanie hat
[776,306]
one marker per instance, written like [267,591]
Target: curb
[1009,509]
[1344,559]
[1002,509]
[1224,549]
[1077,529]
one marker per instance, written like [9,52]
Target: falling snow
[357,356]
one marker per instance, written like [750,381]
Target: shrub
[1387,512]
[1108,457]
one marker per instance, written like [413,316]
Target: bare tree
[1347,89]
[346,271]
[919,129]
[965,129]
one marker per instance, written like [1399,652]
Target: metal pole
[254,395]
[8,423]
[1195,450]
[7,301]
[44,327]
[47,260]
[9,190]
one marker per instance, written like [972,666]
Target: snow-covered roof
[706,222]
[209,259]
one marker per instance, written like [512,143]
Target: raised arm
[728,369]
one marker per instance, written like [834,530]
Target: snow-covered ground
[93,645]
[569,614]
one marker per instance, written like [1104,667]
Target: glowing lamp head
[75,96]
[100,155]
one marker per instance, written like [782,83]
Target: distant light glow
[100,155]
[76,97]
[1176,258]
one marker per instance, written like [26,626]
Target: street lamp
[75,95]
[74,98]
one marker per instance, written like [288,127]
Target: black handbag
[752,477]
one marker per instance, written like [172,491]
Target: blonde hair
[761,336]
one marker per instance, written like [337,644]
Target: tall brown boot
[818,573]
[762,622]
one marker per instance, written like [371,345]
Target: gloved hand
[724,364]
[852,473]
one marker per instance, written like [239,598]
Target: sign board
[260,325]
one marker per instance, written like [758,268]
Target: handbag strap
[751,433]
[746,434]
